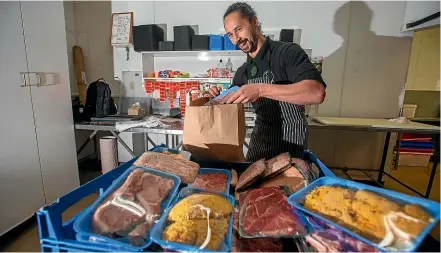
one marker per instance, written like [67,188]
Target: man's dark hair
[245,10]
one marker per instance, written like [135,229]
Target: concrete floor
[25,239]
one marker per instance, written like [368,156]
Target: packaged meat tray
[387,220]
[126,212]
[265,212]
[173,152]
[217,180]
[197,221]
[186,170]
[326,238]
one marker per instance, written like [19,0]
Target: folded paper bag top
[215,132]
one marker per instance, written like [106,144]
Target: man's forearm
[301,93]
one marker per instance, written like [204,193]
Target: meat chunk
[251,174]
[153,190]
[213,182]
[110,219]
[255,244]
[186,170]
[265,211]
[277,165]
[140,233]
[290,177]
[332,240]
[132,209]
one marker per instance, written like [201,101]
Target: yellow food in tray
[196,232]
[189,208]
[368,214]
[188,220]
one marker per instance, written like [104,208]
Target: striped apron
[280,127]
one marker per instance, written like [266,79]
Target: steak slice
[255,244]
[130,186]
[290,177]
[110,219]
[213,182]
[153,190]
[138,236]
[333,240]
[186,170]
[250,175]
[277,165]
[266,212]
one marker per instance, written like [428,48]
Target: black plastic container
[287,35]
[147,37]
[201,42]
[166,46]
[183,37]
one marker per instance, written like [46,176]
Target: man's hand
[246,93]
[214,91]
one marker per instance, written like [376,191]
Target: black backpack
[99,102]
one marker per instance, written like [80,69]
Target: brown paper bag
[215,132]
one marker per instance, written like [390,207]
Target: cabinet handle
[26,74]
[23,77]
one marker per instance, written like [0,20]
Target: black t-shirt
[288,62]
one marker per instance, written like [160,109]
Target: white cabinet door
[45,36]
[20,176]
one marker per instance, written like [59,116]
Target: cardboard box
[135,110]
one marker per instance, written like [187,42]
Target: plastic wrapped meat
[132,209]
[332,240]
[255,244]
[250,175]
[199,220]
[277,165]
[367,214]
[290,177]
[186,170]
[213,182]
[265,212]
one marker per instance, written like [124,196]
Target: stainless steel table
[177,129]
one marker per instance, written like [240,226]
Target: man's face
[241,32]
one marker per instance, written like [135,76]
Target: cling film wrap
[198,221]
[386,220]
[125,214]
[265,212]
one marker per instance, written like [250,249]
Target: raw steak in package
[265,212]
[132,210]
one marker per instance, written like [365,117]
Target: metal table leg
[146,142]
[397,155]
[432,177]
[91,136]
[383,158]
[179,145]
[123,143]
[151,141]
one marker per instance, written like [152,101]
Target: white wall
[354,39]
[88,26]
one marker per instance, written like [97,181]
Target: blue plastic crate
[216,42]
[157,231]
[83,223]
[433,208]
[56,235]
[209,171]
[228,45]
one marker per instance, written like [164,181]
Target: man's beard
[253,44]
